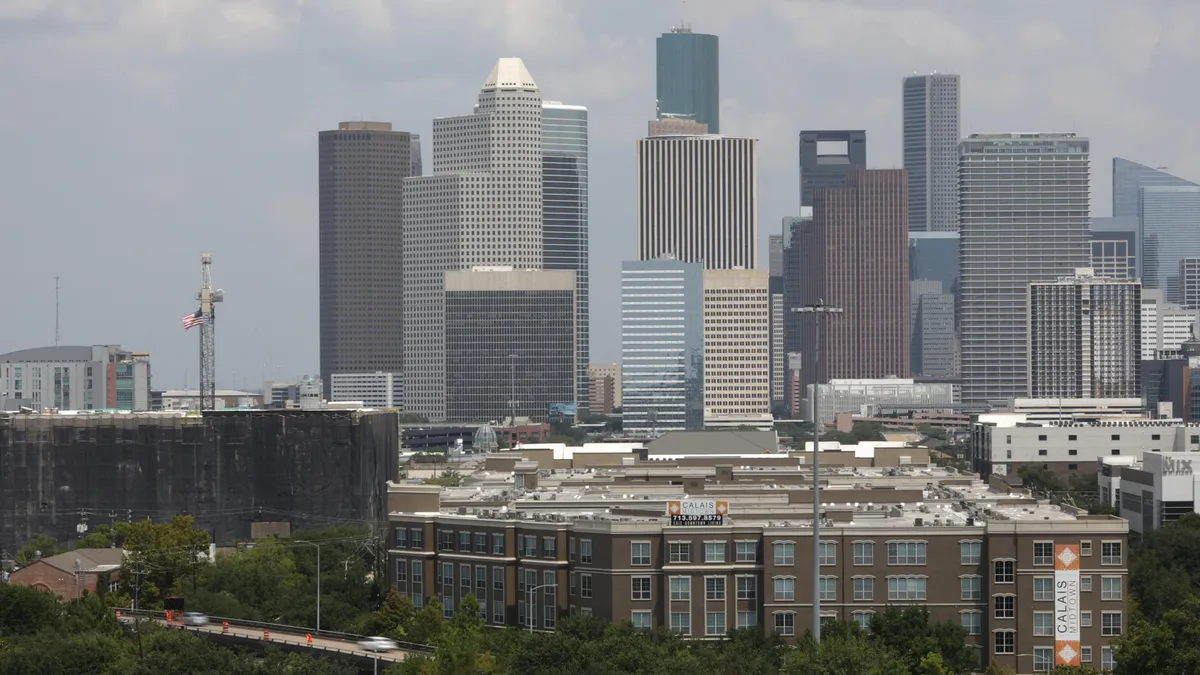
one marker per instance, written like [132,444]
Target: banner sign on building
[1066,605]
[697,512]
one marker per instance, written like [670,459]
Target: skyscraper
[1023,217]
[689,83]
[697,200]
[1129,177]
[855,256]
[826,156]
[662,346]
[1085,337]
[481,206]
[1170,227]
[565,215]
[737,347]
[931,114]
[362,166]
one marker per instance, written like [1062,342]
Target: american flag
[192,320]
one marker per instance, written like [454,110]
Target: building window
[864,589]
[1043,553]
[480,543]
[401,537]
[464,542]
[549,547]
[785,589]
[785,554]
[1085,619]
[1005,571]
[571,548]
[1041,437]
[864,553]
[863,619]
[1006,642]
[448,575]
[497,544]
[1110,624]
[681,588]
[828,588]
[1110,553]
[970,588]
[585,585]
[827,553]
[1043,589]
[906,588]
[681,552]
[585,551]
[639,553]
[464,577]
[445,541]
[531,546]
[747,587]
[1085,654]
[641,588]
[906,552]
[418,571]
[497,578]
[1043,659]
[747,620]
[481,582]
[969,552]
[714,551]
[714,588]
[1110,588]
[1085,548]
[1085,583]
[746,552]
[714,623]
[1006,606]
[640,619]
[1042,453]
[785,623]
[973,622]
[401,571]
[1107,662]
[1043,624]
[681,623]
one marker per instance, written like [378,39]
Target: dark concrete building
[510,347]
[854,256]
[362,167]
[688,77]
[825,156]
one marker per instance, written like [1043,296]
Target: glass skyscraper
[662,346]
[565,215]
[931,114]
[688,77]
[1170,232]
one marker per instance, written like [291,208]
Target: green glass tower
[688,77]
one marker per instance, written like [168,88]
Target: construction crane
[208,339]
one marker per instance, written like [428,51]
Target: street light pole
[818,310]
[310,543]
[530,616]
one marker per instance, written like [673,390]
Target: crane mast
[208,342]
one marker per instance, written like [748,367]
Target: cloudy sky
[135,134]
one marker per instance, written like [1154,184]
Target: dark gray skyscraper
[824,158]
[688,77]
[362,167]
[565,215]
[931,114]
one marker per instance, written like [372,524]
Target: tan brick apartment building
[980,557]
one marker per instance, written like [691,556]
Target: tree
[908,633]
[1166,570]
[38,545]
[1170,645]
[843,654]
[159,555]
[25,611]
[428,623]
[448,478]
[103,536]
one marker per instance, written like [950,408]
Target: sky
[137,134]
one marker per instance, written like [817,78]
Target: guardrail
[284,628]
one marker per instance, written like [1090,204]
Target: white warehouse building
[1158,489]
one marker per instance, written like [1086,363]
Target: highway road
[319,643]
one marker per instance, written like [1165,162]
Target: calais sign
[1066,605]
[697,512]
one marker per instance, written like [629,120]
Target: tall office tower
[931,114]
[697,200]
[737,348]
[509,342]
[604,388]
[1023,217]
[934,255]
[662,346]
[1170,219]
[565,216]
[934,340]
[1085,337]
[855,256]
[778,349]
[826,156]
[362,169]
[1189,283]
[1128,179]
[1111,257]
[417,166]
[676,126]
[793,265]
[1165,325]
[689,83]
[917,288]
[775,254]
[481,206]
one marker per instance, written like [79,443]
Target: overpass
[294,638]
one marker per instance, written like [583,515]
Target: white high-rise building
[1023,217]
[931,116]
[480,206]
[1165,325]
[375,390]
[1085,337]
[737,348]
[697,200]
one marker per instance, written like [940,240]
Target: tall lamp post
[530,613]
[818,310]
[313,543]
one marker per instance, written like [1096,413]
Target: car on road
[378,644]
[195,619]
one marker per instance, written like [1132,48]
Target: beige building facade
[737,347]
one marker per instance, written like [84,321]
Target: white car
[195,619]
[378,644]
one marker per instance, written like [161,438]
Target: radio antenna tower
[208,342]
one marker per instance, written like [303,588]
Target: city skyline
[243,187]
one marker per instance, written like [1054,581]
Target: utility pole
[818,310]
[208,339]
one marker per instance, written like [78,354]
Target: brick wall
[48,577]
